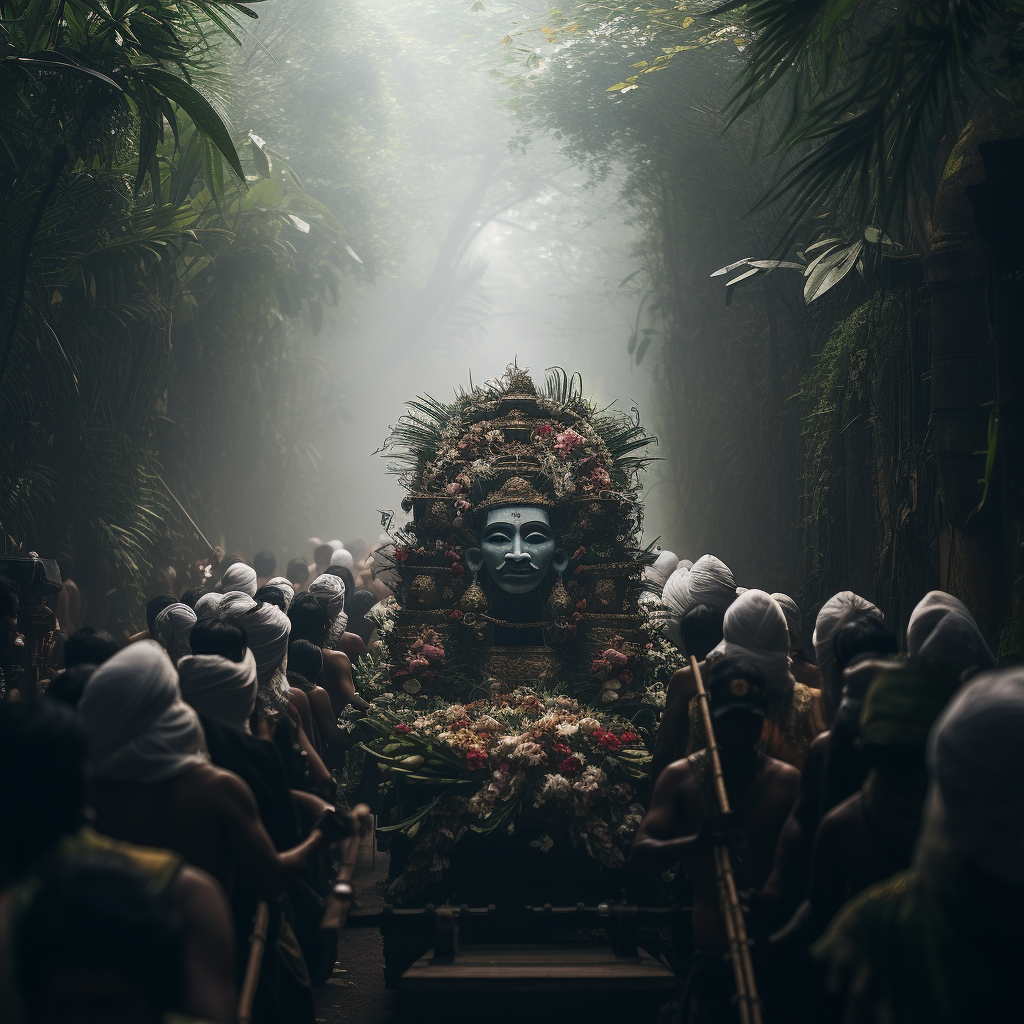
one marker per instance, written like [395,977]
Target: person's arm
[209,945]
[331,737]
[252,849]
[300,702]
[319,777]
[336,678]
[674,728]
[668,832]
[826,888]
[793,852]
[311,808]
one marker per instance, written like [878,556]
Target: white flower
[588,725]
[531,753]
[454,712]
[608,696]
[555,787]
[567,729]
[411,686]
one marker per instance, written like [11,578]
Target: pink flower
[599,665]
[476,758]
[567,441]
[600,477]
[625,676]
[432,652]
[455,615]
[581,605]
[458,570]
[402,728]
[615,658]
[418,665]
[454,487]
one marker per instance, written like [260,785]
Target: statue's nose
[517,555]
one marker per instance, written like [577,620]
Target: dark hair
[723,671]
[9,591]
[359,549]
[362,601]
[42,752]
[98,912]
[264,562]
[322,554]
[297,571]
[156,606]
[305,658]
[88,646]
[344,573]
[701,627]
[192,595]
[68,686]
[271,595]
[310,619]
[863,636]
[219,637]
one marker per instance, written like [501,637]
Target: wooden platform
[550,968]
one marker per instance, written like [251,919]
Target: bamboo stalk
[252,969]
[735,927]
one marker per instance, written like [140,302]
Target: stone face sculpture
[518,548]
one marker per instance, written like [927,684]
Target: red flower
[402,728]
[628,737]
[432,652]
[458,570]
[607,740]
[543,430]
[600,477]
[599,665]
[401,554]
[476,758]
[581,605]
[571,766]
[455,615]
[561,749]
[575,617]
[614,657]
[418,665]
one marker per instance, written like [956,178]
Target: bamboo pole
[735,927]
[252,969]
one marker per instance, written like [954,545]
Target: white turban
[794,620]
[709,581]
[343,557]
[332,590]
[206,606]
[941,629]
[975,808]
[139,728]
[266,630]
[663,567]
[239,577]
[172,629]
[284,587]
[220,688]
[836,612]
[335,544]
[755,629]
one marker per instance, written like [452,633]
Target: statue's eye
[499,537]
[536,538]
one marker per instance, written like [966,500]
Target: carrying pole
[252,969]
[735,927]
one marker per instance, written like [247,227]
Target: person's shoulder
[782,774]
[339,658]
[219,784]
[679,775]
[843,816]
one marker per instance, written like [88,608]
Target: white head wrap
[975,809]
[836,612]
[755,629]
[343,557]
[794,620]
[266,630]
[332,590]
[285,587]
[220,688]
[206,606]
[941,629]
[172,629]
[239,577]
[709,581]
[140,730]
[663,567]
[336,544]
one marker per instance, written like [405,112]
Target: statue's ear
[474,559]
[560,561]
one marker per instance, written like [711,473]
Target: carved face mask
[517,548]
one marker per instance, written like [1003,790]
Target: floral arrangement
[546,758]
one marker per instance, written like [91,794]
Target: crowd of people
[876,825]
[161,786]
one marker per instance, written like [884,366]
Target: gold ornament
[516,491]
[474,600]
[605,593]
[423,592]
[559,603]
